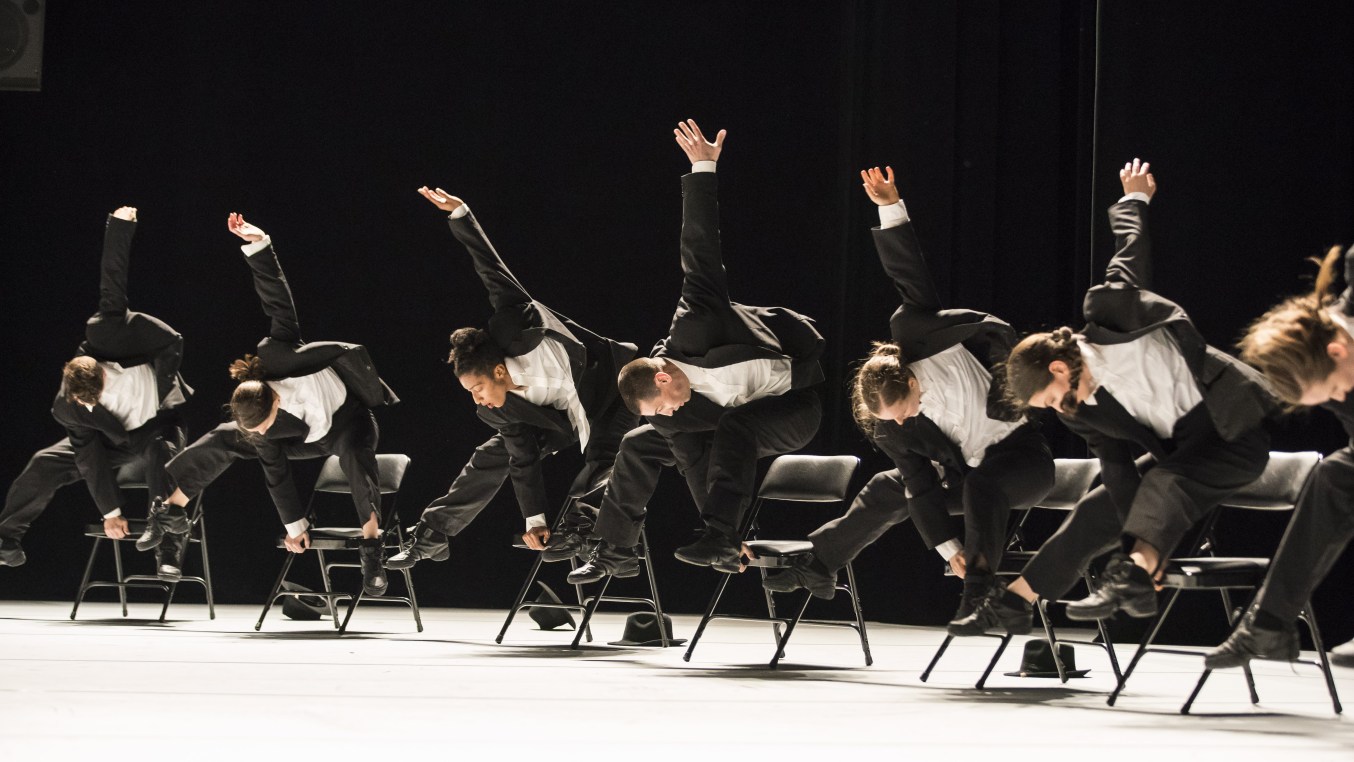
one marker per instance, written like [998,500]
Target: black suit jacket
[518,326]
[1123,309]
[922,328]
[117,334]
[283,353]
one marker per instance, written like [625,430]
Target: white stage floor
[103,688]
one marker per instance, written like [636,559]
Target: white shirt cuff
[295,528]
[112,514]
[250,249]
[459,212]
[703,166]
[949,549]
[1136,196]
[893,215]
[535,522]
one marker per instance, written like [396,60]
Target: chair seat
[134,529]
[1209,572]
[780,548]
[339,538]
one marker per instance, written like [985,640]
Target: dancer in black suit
[117,404]
[1305,347]
[544,383]
[1138,376]
[933,401]
[294,401]
[729,385]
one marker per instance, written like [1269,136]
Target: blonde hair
[1288,343]
[881,380]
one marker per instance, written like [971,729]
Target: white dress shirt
[314,399]
[131,395]
[1148,376]
[544,373]
[954,388]
[739,383]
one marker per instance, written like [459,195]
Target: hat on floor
[303,608]
[641,629]
[549,618]
[1037,661]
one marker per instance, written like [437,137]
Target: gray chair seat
[1215,572]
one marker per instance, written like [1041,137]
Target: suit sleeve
[116,260]
[1118,471]
[524,468]
[277,474]
[275,294]
[505,291]
[91,460]
[926,494]
[705,286]
[901,255]
[1132,262]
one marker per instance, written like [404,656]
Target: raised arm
[117,254]
[899,250]
[505,291]
[269,280]
[1132,262]
[705,283]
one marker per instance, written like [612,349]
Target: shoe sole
[164,576]
[143,547]
[13,561]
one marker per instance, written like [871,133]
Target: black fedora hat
[1037,661]
[304,608]
[549,618]
[641,629]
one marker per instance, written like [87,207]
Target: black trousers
[1198,473]
[1015,473]
[54,467]
[721,471]
[352,438]
[1321,527]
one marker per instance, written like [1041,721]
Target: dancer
[931,398]
[117,404]
[294,401]
[1138,375]
[729,385]
[543,382]
[1304,346]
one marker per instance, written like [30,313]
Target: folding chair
[1277,489]
[587,604]
[132,477]
[391,468]
[796,479]
[1072,478]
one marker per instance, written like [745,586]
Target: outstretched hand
[1137,179]
[236,224]
[127,213]
[441,199]
[693,142]
[879,186]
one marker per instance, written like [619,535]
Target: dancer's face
[674,390]
[490,391]
[903,409]
[1339,383]
[1059,393]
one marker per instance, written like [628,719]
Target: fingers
[695,130]
[719,139]
[890,171]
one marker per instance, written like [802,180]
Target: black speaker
[21,23]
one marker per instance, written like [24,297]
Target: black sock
[1012,600]
[1267,621]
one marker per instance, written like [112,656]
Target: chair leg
[1142,646]
[206,562]
[591,609]
[413,599]
[1108,645]
[117,561]
[1199,686]
[945,644]
[1041,606]
[653,589]
[272,595]
[343,628]
[996,657]
[1250,683]
[84,582]
[709,614]
[578,595]
[860,615]
[328,588]
[789,630]
[522,596]
[1308,617]
[770,606]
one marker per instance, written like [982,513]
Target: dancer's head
[82,380]
[1305,354]
[1044,370]
[884,388]
[478,364]
[652,386]
[253,404]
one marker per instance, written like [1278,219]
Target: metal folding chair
[796,479]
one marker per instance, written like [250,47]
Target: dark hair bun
[886,349]
[248,368]
[1063,335]
[468,339]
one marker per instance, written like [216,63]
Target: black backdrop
[1005,122]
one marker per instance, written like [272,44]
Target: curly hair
[82,380]
[473,352]
[879,381]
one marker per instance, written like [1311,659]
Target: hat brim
[655,643]
[1054,674]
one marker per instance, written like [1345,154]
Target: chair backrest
[809,478]
[1072,477]
[390,467]
[1278,487]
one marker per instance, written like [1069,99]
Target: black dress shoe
[1124,586]
[373,570]
[606,559]
[427,543]
[564,546]
[977,585]
[714,549]
[11,553]
[1248,642]
[169,557]
[810,575]
[1000,608]
[164,518]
